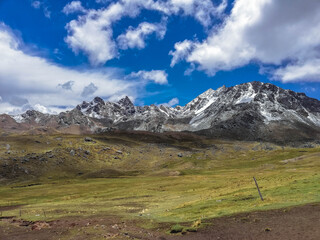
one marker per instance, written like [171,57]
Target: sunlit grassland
[209,184]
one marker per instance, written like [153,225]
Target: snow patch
[18,118]
[95,115]
[314,119]
[269,116]
[163,111]
[247,96]
[212,100]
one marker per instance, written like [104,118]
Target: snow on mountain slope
[251,109]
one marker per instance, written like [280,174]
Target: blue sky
[56,54]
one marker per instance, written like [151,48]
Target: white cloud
[305,71]
[40,108]
[73,7]
[222,7]
[182,50]
[227,48]
[27,80]
[267,31]
[190,70]
[6,107]
[92,33]
[135,37]
[172,102]
[201,10]
[157,76]
[35,4]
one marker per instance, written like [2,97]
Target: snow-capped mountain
[250,111]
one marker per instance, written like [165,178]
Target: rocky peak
[98,100]
[247,111]
[127,106]
[83,105]
[32,114]
[125,102]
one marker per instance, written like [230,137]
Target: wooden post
[44,213]
[258,188]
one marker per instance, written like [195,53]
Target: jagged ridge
[249,111]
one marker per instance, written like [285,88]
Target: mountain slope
[250,111]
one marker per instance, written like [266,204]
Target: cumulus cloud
[135,37]
[265,31]
[171,103]
[157,76]
[73,7]
[35,79]
[92,32]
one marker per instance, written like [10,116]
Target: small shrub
[176,229]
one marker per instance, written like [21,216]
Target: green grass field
[149,182]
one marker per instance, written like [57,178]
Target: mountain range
[250,111]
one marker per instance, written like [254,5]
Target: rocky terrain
[250,111]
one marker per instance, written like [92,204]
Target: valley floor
[156,186]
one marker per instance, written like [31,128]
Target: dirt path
[298,223]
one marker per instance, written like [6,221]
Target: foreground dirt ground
[298,223]
[302,222]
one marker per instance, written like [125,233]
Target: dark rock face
[127,106]
[98,100]
[250,111]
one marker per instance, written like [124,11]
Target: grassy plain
[151,179]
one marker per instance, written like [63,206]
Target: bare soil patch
[296,223]
[302,222]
